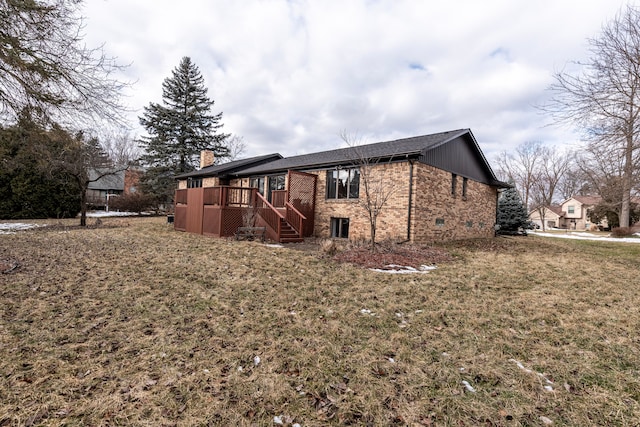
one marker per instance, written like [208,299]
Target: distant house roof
[230,167]
[588,200]
[464,157]
[557,210]
[111,181]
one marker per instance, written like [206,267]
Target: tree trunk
[83,207]
[373,233]
[627,177]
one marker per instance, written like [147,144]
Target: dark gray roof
[400,148]
[231,167]
[455,151]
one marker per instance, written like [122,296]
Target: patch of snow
[586,236]
[273,245]
[367,311]
[12,227]
[278,420]
[104,214]
[529,371]
[256,360]
[403,269]
[468,386]
[546,421]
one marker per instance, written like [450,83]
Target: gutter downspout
[410,200]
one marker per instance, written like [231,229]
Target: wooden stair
[288,234]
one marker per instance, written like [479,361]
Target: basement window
[340,227]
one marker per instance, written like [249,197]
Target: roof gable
[461,155]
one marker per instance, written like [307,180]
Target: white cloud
[290,75]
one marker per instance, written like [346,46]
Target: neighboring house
[102,189]
[572,214]
[443,188]
[576,213]
[552,217]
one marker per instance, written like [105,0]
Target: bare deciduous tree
[603,100]
[521,167]
[552,167]
[79,156]
[374,190]
[120,147]
[45,66]
[236,146]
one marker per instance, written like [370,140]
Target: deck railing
[278,198]
[295,218]
[181,196]
[228,196]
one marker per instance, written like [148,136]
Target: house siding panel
[457,156]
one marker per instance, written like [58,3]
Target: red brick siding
[392,220]
[473,217]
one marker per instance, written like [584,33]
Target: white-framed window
[571,209]
[343,183]
[257,183]
[194,182]
[340,227]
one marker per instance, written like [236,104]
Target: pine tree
[512,215]
[182,125]
[29,188]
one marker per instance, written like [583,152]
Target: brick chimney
[206,158]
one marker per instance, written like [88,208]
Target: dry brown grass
[132,323]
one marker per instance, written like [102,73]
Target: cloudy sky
[289,76]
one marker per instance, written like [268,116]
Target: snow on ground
[103,214]
[12,227]
[587,236]
[402,269]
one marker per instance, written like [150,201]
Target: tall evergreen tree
[512,215]
[28,188]
[181,126]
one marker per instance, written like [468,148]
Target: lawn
[132,323]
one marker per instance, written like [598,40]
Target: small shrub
[622,232]
[134,202]
[328,247]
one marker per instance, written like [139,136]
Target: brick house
[105,184]
[442,187]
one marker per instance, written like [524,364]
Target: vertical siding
[459,156]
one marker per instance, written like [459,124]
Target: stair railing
[295,218]
[269,214]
